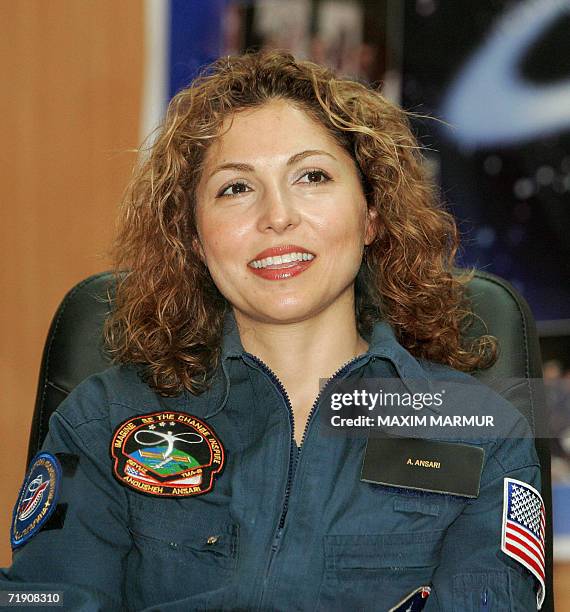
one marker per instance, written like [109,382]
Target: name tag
[425,465]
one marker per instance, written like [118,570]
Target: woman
[280,230]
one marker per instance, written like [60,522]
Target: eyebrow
[241,167]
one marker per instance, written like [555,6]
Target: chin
[284,312]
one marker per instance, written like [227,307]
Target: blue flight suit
[278,531]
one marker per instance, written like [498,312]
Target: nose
[278,211]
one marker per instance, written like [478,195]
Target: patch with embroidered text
[414,601]
[523,532]
[37,498]
[167,454]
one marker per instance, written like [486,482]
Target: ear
[371,230]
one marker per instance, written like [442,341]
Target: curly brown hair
[168,314]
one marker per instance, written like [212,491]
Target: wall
[72,73]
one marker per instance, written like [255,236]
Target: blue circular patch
[37,498]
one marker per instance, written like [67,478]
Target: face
[276,185]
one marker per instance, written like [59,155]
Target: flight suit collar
[382,343]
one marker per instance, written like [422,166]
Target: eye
[234,189]
[314,176]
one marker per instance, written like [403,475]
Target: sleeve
[81,550]
[474,573]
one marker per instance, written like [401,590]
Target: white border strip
[561,545]
[155,67]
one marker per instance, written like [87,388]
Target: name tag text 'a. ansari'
[436,465]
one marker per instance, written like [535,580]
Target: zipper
[293,461]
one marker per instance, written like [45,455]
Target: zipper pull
[276,540]
[484,601]
[274,548]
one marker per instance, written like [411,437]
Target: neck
[302,351]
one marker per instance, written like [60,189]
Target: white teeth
[281,259]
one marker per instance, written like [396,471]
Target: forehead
[274,129]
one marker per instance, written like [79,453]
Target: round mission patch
[37,498]
[169,454]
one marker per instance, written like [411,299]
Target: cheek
[347,230]
[224,240]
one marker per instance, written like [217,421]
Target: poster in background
[497,72]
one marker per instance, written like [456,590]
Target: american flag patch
[523,529]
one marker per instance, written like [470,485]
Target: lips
[283,270]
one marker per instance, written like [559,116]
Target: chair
[74,350]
